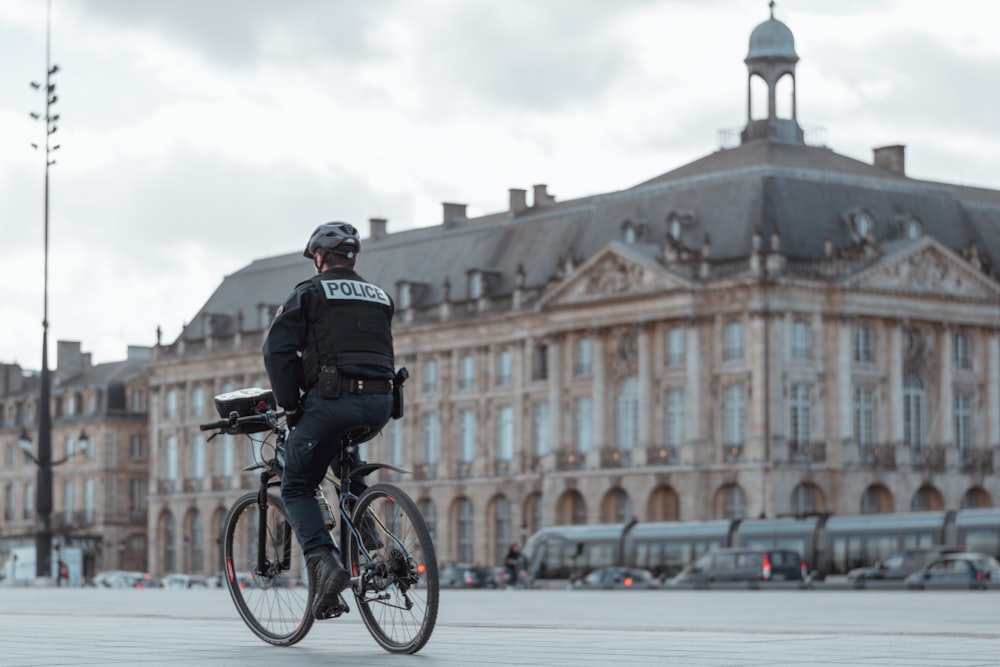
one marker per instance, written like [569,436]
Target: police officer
[329,356]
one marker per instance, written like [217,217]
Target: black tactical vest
[350,326]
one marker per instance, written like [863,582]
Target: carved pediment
[611,274]
[930,268]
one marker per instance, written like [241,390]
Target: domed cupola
[771,57]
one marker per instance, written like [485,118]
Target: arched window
[976,498]
[663,505]
[429,510]
[464,545]
[571,509]
[169,535]
[876,500]
[730,502]
[807,499]
[196,533]
[503,532]
[533,513]
[627,414]
[616,506]
[927,498]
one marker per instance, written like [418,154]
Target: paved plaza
[534,627]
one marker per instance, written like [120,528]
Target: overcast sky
[198,136]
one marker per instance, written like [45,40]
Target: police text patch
[354,290]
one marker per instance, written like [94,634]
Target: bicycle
[393,567]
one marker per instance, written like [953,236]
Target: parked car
[617,577]
[742,564]
[464,575]
[900,563]
[184,581]
[957,570]
[125,579]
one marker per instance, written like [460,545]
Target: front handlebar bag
[246,402]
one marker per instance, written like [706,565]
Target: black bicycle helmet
[340,237]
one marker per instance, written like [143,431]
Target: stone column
[991,416]
[944,434]
[844,395]
[555,354]
[693,392]
[894,365]
[600,390]
[646,402]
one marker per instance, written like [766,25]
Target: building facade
[100,458]
[772,329]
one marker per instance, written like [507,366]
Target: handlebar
[232,424]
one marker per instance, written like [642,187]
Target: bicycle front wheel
[269,587]
[396,583]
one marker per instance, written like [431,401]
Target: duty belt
[360,386]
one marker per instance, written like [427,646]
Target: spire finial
[771,5]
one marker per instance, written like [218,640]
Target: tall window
[541,433]
[800,339]
[137,400]
[675,347]
[914,413]
[963,351]
[627,414]
[734,414]
[170,404]
[68,501]
[197,401]
[432,443]
[583,423]
[197,462]
[227,456]
[864,417]
[396,443]
[734,341]
[429,379]
[863,352]
[8,502]
[804,499]
[136,496]
[963,422]
[799,414]
[464,546]
[429,510]
[197,542]
[502,528]
[583,359]
[467,435]
[505,433]
[467,372]
[673,419]
[733,502]
[88,500]
[172,458]
[504,368]
[29,501]
[540,362]
[137,445]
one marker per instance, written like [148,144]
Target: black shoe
[369,533]
[328,577]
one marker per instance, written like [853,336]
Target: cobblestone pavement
[46,626]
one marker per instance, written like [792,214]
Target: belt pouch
[329,382]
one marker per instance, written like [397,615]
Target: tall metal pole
[43,525]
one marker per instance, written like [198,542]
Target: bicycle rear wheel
[274,600]
[397,582]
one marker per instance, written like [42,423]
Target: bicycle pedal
[336,610]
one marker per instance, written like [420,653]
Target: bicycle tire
[400,615]
[274,604]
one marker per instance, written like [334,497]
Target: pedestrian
[63,574]
[513,563]
[329,356]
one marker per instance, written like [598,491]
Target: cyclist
[329,356]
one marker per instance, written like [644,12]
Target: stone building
[772,329]
[100,458]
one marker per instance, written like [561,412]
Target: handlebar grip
[222,423]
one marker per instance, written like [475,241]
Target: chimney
[70,361]
[541,196]
[453,214]
[10,379]
[518,201]
[891,158]
[376,227]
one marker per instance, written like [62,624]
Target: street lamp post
[43,523]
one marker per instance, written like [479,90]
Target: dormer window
[476,285]
[405,295]
[908,226]
[633,232]
[861,224]
[674,228]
